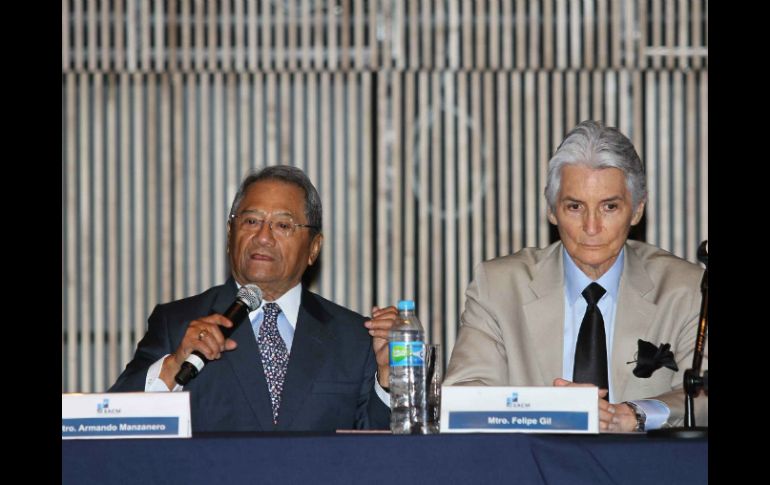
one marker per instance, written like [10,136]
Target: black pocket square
[650,358]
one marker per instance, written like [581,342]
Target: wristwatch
[640,416]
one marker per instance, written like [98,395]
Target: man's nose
[265,233]
[592,223]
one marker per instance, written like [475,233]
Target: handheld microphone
[247,300]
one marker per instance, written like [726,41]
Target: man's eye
[284,226]
[251,221]
[612,207]
[573,207]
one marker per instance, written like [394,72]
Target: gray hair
[290,175]
[595,145]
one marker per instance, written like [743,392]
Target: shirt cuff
[657,412]
[153,382]
[384,396]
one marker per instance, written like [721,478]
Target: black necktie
[591,350]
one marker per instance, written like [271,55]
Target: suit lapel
[632,319]
[309,350]
[544,316]
[245,361]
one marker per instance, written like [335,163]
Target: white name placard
[126,415]
[473,409]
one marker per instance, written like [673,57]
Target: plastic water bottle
[408,412]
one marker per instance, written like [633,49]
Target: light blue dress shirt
[287,320]
[575,306]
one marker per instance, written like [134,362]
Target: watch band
[641,418]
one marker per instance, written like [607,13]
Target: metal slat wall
[426,126]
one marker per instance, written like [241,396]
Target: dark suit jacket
[329,382]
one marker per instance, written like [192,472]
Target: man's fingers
[379,333]
[216,319]
[388,312]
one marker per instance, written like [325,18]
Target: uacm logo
[104,408]
[512,401]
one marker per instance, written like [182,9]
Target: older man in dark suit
[301,362]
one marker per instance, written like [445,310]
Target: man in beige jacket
[525,317]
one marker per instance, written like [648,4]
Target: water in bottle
[407,372]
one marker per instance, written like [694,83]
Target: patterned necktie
[591,349]
[275,357]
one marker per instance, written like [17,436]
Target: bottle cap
[406,305]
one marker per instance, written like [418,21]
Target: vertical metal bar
[85,268]
[91,28]
[144,43]
[507,26]
[342,254]
[179,84]
[462,180]
[113,253]
[540,160]
[186,45]
[602,40]
[78,46]
[589,34]
[493,19]
[95,220]
[562,53]
[138,227]
[530,162]
[126,342]
[498,230]
[253,43]
[326,164]
[406,146]
[521,34]
[423,131]
[574,31]
[677,208]
[517,184]
[354,190]
[367,153]
[71,221]
[534,34]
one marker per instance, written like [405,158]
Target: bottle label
[407,353]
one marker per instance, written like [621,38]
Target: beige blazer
[512,328]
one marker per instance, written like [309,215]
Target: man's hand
[607,411]
[202,335]
[624,419]
[380,324]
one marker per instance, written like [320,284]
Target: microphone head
[703,255]
[251,296]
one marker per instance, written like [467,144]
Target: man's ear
[551,217]
[638,213]
[315,248]
[227,242]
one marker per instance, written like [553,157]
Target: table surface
[385,458]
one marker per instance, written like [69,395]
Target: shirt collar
[289,303]
[576,281]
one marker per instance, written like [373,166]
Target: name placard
[126,415]
[473,409]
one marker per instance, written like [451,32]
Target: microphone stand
[693,382]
